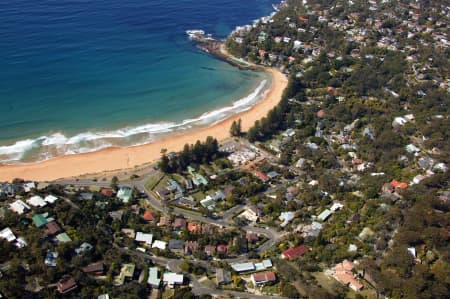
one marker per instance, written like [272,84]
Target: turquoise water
[81,75]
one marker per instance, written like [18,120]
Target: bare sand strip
[112,159]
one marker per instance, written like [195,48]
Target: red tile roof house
[148,216]
[261,176]
[293,253]
[222,249]
[66,284]
[179,223]
[263,278]
[108,192]
[194,228]
[343,274]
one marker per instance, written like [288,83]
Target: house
[222,249]
[194,228]
[190,247]
[243,267]
[164,221]
[116,215]
[53,228]
[40,220]
[336,206]
[86,196]
[262,278]
[148,216]
[50,259]
[19,207]
[126,272]
[51,199]
[208,202]
[172,279]
[108,192]
[29,186]
[66,284]
[398,186]
[176,246]
[63,238]
[343,273]
[286,217]
[83,248]
[252,213]
[94,268]
[154,279]
[159,244]
[261,176]
[223,276]
[179,224]
[125,193]
[36,201]
[7,234]
[210,250]
[144,237]
[324,215]
[411,148]
[272,174]
[293,253]
[8,189]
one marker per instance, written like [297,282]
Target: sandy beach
[112,159]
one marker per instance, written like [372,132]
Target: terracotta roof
[222,248]
[107,192]
[53,228]
[264,276]
[293,253]
[194,227]
[148,216]
[398,184]
[93,268]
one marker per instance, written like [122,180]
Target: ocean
[81,75]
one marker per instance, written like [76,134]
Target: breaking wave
[58,144]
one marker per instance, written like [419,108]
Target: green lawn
[151,184]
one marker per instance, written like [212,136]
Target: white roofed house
[159,244]
[51,199]
[19,207]
[7,234]
[172,279]
[37,201]
[29,186]
[143,237]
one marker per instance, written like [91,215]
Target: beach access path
[117,159]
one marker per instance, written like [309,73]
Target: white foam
[58,144]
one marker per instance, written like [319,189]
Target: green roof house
[40,220]
[153,277]
[63,238]
[125,194]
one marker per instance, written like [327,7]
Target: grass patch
[151,184]
[168,293]
[271,289]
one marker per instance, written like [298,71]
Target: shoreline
[122,158]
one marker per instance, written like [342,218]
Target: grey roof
[176,244]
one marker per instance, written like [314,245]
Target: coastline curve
[121,158]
